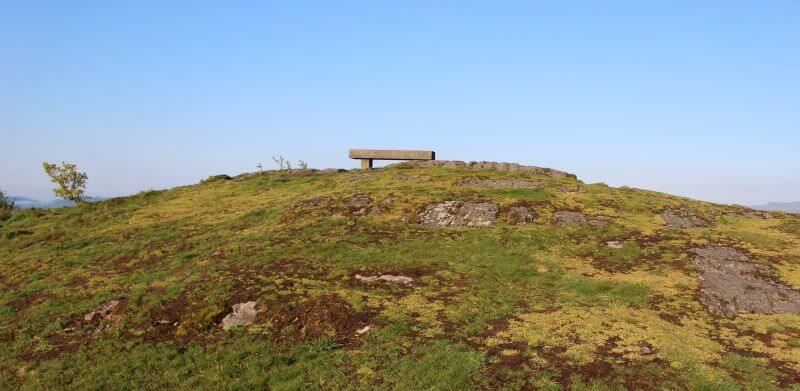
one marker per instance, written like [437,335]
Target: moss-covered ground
[533,306]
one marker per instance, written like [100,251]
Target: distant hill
[25,202]
[791,207]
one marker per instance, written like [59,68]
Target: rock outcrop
[680,218]
[509,167]
[521,215]
[243,314]
[501,183]
[567,218]
[459,214]
[730,283]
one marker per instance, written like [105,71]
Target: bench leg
[366,164]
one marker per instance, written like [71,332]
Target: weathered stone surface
[385,277]
[358,201]
[459,214]
[615,244]
[749,213]
[316,202]
[510,167]
[243,314]
[326,171]
[730,283]
[501,184]
[679,218]
[521,215]
[567,218]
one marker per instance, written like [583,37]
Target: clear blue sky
[701,100]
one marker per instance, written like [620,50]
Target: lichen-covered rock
[680,218]
[521,215]
[567,218]
[730,283]
[501,184]
[243,314]
[390,278]
[459,214]
[615,244]
[357,201]
[359,204]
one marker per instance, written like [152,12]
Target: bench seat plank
[391,154]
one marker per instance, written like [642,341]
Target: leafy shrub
[71,183]
[6,205]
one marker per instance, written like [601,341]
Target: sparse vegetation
[282,163]
[541,305]
[71,183]
[6,205]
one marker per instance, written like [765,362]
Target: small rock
[521,215]
[567,218]
[363,330]
[400,279]
[366,278]
[386,277]
[243,314]
[615,244]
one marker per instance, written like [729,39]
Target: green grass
[503,307]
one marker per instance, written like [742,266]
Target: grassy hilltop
[491,279]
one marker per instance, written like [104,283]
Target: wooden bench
[368,155]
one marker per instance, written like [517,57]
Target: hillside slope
[417,276]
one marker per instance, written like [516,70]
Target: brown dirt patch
[326,316]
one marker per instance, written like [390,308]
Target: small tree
[6,203]
[71,183]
